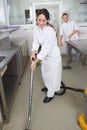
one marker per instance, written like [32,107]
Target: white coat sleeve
[48,44]
[35,45]
[75,27]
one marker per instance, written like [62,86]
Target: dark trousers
[69,53]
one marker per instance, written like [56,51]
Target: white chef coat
[50,57]
[67,28]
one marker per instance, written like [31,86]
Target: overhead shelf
[83,2]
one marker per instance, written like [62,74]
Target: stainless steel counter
[80,46]
[9,72]
[7,56]
[9,29]
[13,58]
[8,79]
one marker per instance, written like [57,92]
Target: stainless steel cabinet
[22,53]
[16,60]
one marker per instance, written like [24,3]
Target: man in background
[70,31]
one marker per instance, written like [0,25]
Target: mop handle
[30,97]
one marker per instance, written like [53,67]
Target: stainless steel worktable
[7,56]
[81,46]
[13,58]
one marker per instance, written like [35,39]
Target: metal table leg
[1,120]
[67,66]
[4,103]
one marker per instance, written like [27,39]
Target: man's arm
[75,31]
[61,36]
[60,40]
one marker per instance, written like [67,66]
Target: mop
[63,90]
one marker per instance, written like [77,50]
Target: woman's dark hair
[64,14]
[45,12]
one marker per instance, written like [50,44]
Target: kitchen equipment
[21,43]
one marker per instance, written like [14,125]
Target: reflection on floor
[60,114]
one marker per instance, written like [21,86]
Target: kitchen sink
[2,58]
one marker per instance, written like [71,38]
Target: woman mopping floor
[49,55]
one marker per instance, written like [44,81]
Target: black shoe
[47,99]
[44,89]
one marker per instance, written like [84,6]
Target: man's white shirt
[67,28]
